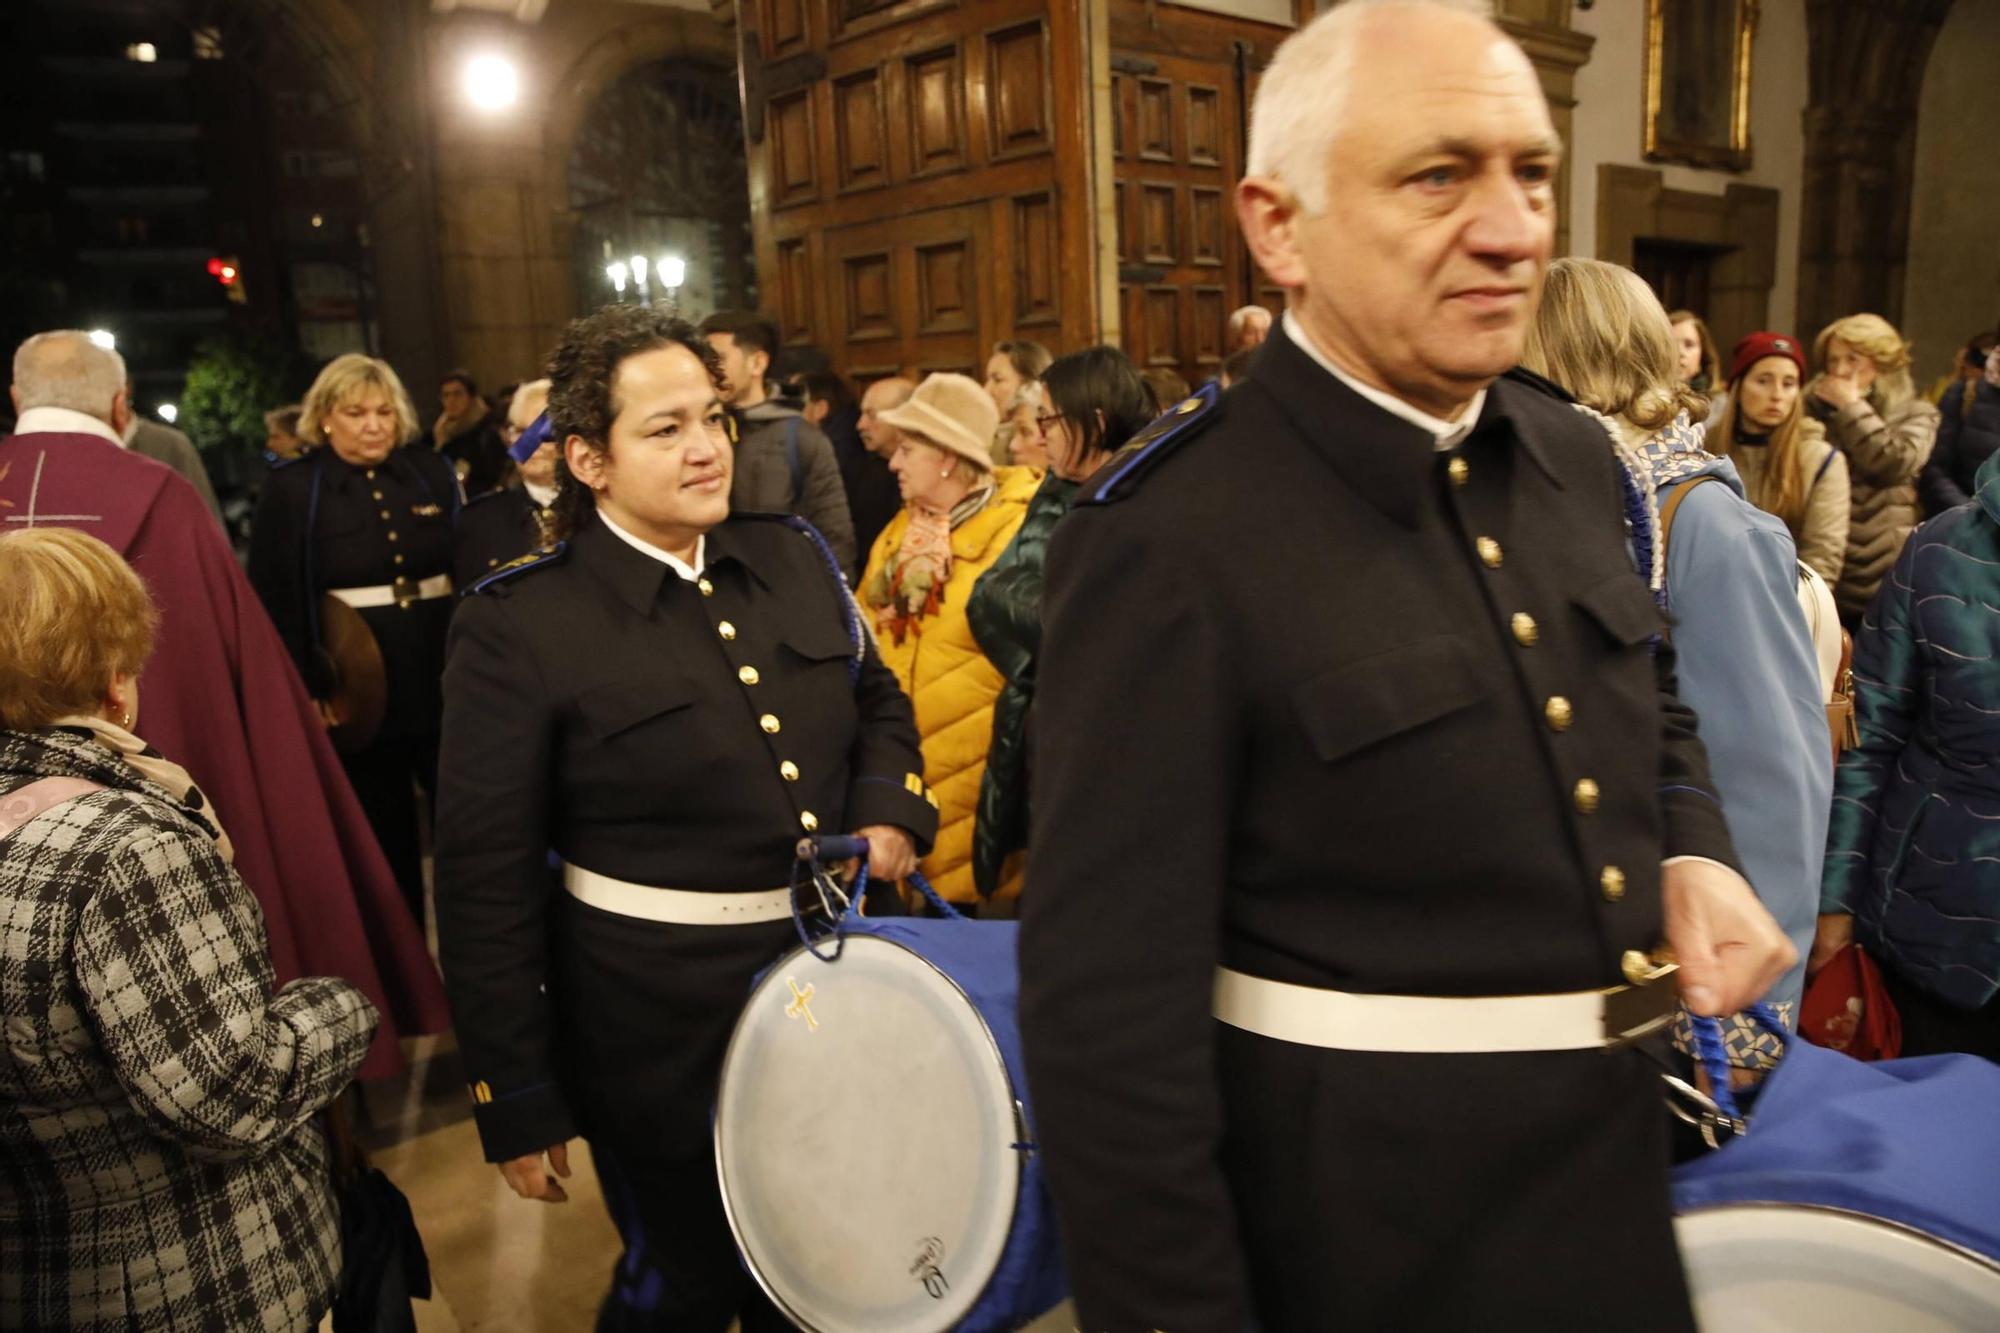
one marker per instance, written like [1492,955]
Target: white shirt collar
[62,421]
[1448,434]
[541,495]
[673,562]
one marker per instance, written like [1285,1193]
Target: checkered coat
[157,1165]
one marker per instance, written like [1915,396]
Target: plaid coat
[157,1167]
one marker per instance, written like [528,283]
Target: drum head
[864,1138]
[1756,1268]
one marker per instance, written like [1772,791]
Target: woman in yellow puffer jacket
[958,515]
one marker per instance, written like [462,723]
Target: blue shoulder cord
[848,613]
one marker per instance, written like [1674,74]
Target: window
[208,43]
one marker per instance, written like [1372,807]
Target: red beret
[1754,347]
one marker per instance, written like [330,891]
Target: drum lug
[1022,1143]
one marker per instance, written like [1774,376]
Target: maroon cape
[221,697]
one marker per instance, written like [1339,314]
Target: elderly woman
[958,516]
[1018,442]
[1098,401]
[157,1088]
[1873,415]
[1915,840]
[666,701]
[1781,454]
[367,522]
[1727,576]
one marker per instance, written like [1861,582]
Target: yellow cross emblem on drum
[801,1005]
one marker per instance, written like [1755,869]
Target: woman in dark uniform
[369,522]
[660,706]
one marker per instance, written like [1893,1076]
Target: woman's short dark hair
[1100,397]
[581,371]
[823,386]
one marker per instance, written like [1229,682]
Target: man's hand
[1729,948]
[892,854]
[1835,932]
[1836,391]
[527,1177]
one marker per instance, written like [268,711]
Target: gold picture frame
[1697,82]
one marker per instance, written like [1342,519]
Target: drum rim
[716,1131]
[1915,1233]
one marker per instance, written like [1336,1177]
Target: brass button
[808,821]
[726,630]
[748,675]
[1586,796]
[769,722]
[1458,470]
[1640,969]
[707,588]
[1526,632]
[392,534]
[371,474]
[1612,880]
[1558,712]
[1489,551]
[490,564]
[385,516]
[376,494]
[398,559]
[789,771]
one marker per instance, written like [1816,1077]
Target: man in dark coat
[1363,802]
[519,517]
[873,497]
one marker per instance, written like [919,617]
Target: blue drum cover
[1914,1142]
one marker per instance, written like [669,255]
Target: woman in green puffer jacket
[1096,402]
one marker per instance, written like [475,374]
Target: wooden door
[917,177]
[1181,87]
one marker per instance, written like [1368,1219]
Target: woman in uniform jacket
[1096,403]
[158,1087]
[659,707]
[1781,454]
[362,518]
[958,515]
[1873,415]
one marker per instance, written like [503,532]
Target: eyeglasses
[1043,422]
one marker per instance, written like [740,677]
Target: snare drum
[873,1135]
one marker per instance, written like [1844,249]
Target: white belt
[400,593]
[676,907]
[1429,1025]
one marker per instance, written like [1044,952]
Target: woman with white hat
[958,515]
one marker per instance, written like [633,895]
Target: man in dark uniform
[667,702]
[505,524]
[1361,788]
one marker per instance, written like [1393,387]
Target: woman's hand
[1835,932]
[1835,391]
[527,1177]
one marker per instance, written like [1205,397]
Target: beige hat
[952,412]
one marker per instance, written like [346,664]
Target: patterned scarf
[1674,452]
[155,767]
[910,584]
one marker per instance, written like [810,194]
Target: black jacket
[1287,721]
[597,707]
[1968,432]
[498,527]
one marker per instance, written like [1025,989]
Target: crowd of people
[1071,640]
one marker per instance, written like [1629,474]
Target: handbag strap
[1672,506]
[34,799]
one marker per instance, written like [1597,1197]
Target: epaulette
[1138,455]
[483,497]
[513,569]
[1540,384]
[278,463]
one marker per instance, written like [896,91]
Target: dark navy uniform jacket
[497,529]
[665,733]
[1329,707]
[321,524]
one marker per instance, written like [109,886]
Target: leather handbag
[1847,1009]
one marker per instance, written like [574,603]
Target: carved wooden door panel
[916,177]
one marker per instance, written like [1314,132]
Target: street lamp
[104,339]
[615,271]
[168,413]
[672,271]
[492,83]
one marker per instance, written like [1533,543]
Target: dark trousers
[385,777]
[1932,1027]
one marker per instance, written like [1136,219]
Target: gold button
[707,588]
[748,675]
[385,516]
[1638,967]
[1526,633]
[376,494]
[1458,470]
[1558,713]
[392,534]
[808,821]
[726,630]
[1586,796]
[371,474]
[769,722]
[399,559]
[1489,551]
[789,771]
[1612,881]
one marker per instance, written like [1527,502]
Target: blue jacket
[1748,670]
[1914,851]
[1968,434]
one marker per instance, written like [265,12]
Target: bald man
[884,395]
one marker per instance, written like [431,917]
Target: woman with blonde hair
[959,513]
[157,1098]
[1727,575]
[1787,466]
[369,523]
[1875,417]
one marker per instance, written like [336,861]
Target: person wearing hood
[784,463]
[1728,578]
